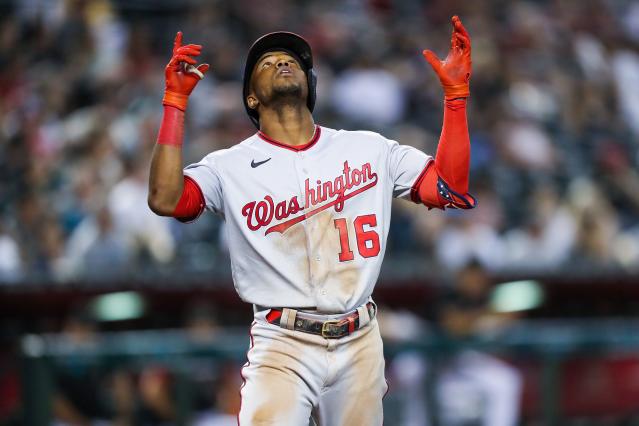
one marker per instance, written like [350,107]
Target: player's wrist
[172,127]
[456,91]
[174,99]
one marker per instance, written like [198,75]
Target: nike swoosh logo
[259,163]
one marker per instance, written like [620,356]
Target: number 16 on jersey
[367,239]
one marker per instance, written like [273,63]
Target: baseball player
[308,211]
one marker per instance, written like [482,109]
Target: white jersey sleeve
[406,165]
[206,175]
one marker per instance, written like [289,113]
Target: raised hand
[181,74]
[454,71]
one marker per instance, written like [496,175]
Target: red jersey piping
[307,145]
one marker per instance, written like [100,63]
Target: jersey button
[323,292]
[318,258]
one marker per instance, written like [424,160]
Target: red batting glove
[454,71]
[181,74]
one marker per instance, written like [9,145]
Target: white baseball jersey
[307,225]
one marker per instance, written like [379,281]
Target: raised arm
[445,182]
[167,194]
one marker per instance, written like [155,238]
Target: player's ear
[252,101]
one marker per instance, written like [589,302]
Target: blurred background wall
[522,311]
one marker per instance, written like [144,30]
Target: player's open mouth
[284,71]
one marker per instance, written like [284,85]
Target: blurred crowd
[462,360]
[554,120]
[96,390]
[188,375]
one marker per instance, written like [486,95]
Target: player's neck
[290,126]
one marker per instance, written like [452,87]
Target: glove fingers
[459,27]
[190,69]
[199,71]
[464,43]
[177,42]
[433,60]
[185,58]
[174,63]
[454,41]
[193,46]
[190,47]
[187,51]
[203,68]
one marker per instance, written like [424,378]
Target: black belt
[330,329]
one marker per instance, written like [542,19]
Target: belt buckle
[326,328]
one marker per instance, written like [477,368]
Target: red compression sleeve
[191,203]
[445,182]
[453,152]
[172,127]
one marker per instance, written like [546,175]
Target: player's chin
[288,88]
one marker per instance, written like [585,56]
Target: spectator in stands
[472,383]
[601,242]
[465,239]
[367,93]
[469,386]
[201,323]
[95,249]
[547,239]
[147,236]
[156,391]
[10,258]
[214,385]
[227,399]
[86,393]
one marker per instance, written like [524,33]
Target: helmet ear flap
[312,89]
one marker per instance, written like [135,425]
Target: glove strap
[176,100]
[452,91]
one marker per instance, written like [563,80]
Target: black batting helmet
[287,42]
